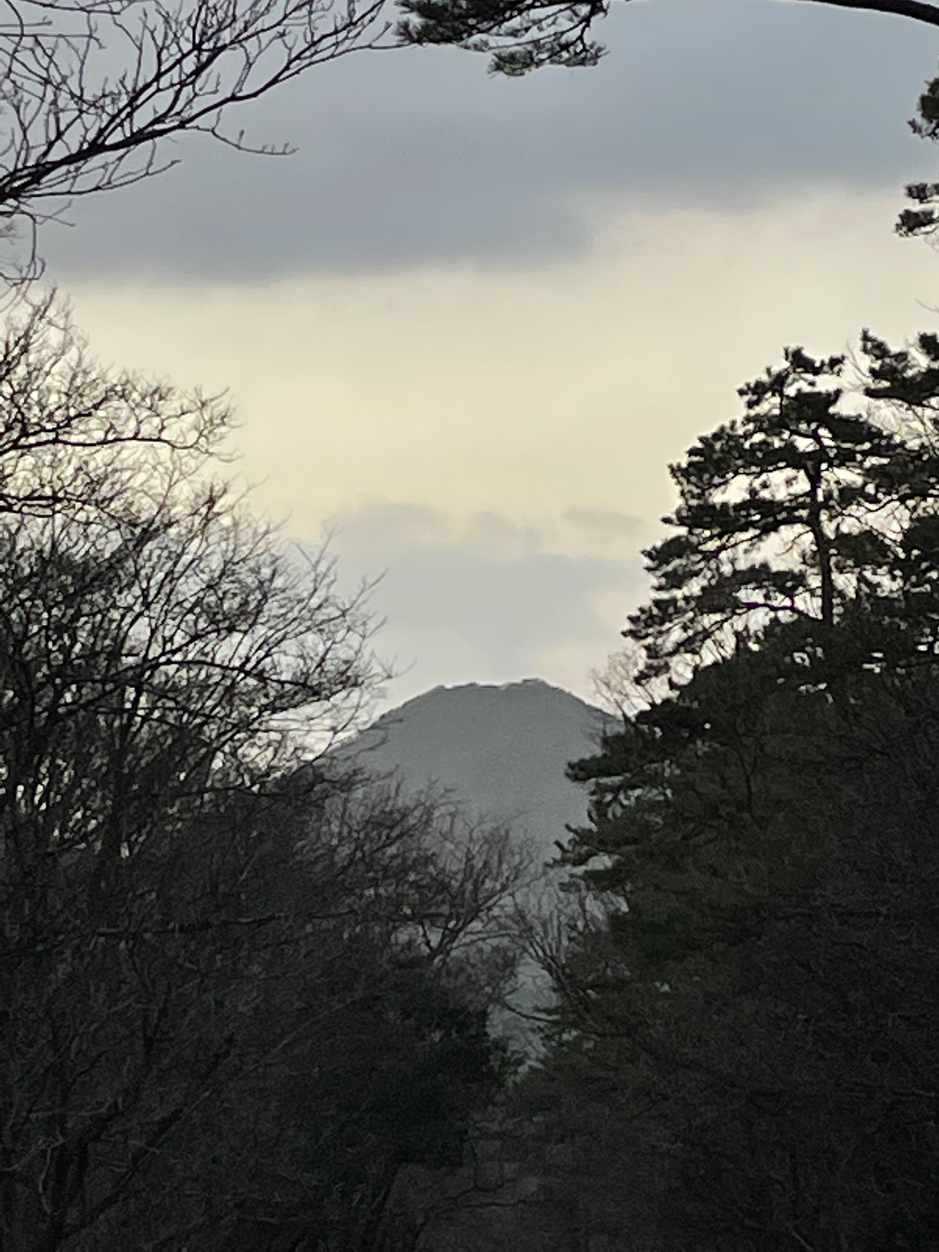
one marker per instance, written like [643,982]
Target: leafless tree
[78,438]
[91,89]
[239,992]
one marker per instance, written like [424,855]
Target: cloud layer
[489,597]
[416,156]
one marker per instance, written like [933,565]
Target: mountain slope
[500,752]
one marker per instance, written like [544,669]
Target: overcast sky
[467,324]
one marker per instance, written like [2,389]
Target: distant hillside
[500,751]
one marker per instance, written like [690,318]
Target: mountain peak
[500,751]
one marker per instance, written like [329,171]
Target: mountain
[500,752]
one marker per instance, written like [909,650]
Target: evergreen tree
[794,508]
[745,1046]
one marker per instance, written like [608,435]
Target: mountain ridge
[499,751]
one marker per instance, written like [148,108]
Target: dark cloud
[415,156]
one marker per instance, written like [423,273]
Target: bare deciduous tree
[239,995]
[78,438]
[91,88]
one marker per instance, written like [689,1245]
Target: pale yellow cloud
[527,393]
[497,441]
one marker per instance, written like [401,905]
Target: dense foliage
[744,1053]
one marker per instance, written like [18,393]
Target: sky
[467,324]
